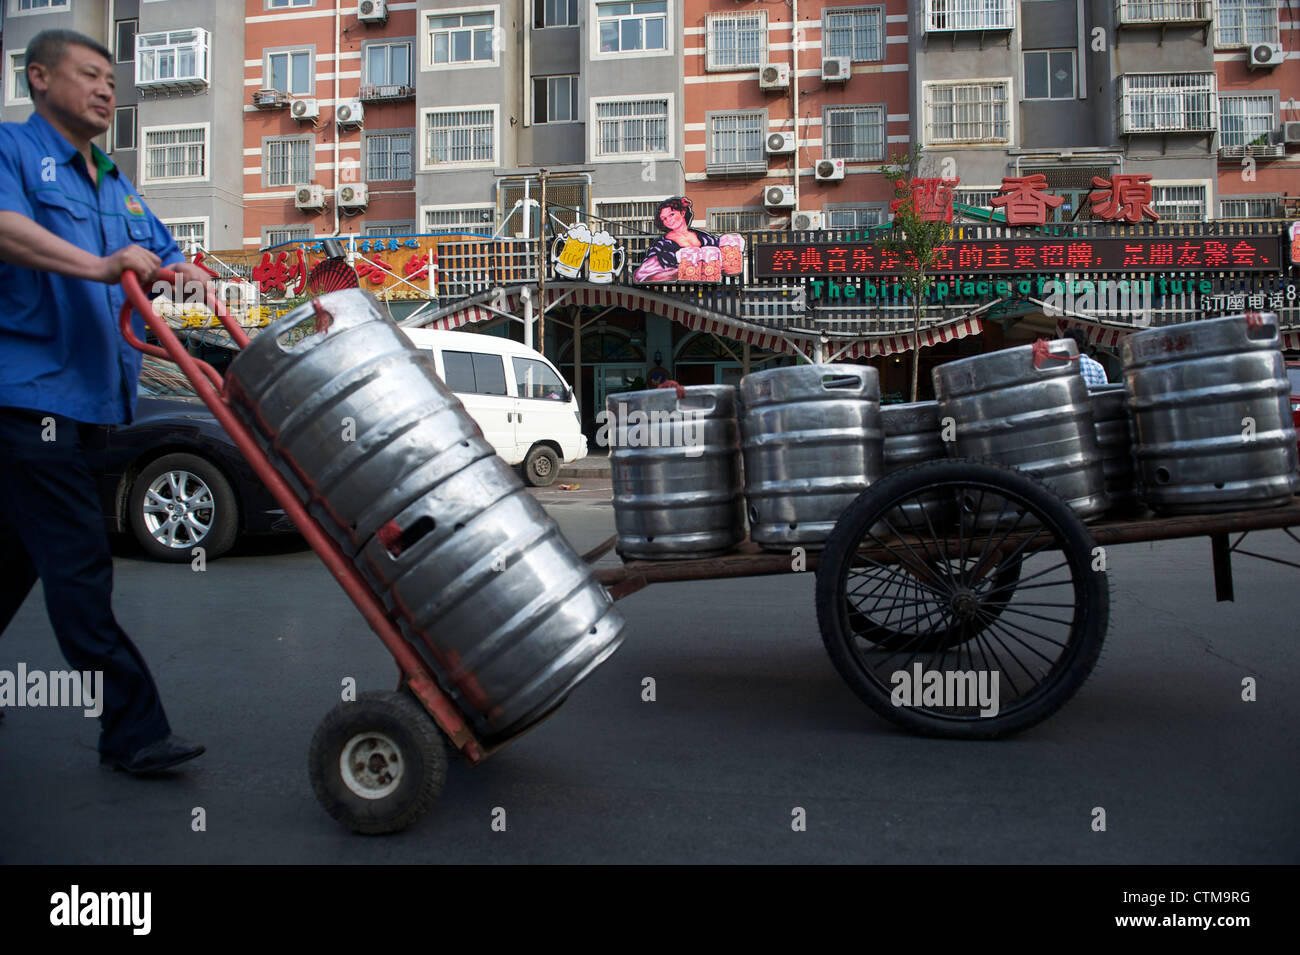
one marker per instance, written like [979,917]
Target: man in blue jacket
[70,224]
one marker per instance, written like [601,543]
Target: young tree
[919,231]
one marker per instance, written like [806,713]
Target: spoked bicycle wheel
[972,620]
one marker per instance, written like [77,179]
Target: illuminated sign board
[1012,256]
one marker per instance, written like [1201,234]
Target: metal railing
[1157,12]
[1168,103]
[943,16]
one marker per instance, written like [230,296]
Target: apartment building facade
[793,109]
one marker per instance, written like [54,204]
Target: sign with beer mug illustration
[569,251]
[606,261]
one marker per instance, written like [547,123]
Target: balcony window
[1246,22]
[969,113]
[737,42]
[1245,120]
[854,134]
[555,13]
[1167,103]
[1049,74]
[1155,12]
[555,99]
[945,16]
[175,59]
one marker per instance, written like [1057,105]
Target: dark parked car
[174,479]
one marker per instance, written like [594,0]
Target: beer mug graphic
[606,260]
[569,251]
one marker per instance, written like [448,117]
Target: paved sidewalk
[592,466]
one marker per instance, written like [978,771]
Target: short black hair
[681,204]
[48,46]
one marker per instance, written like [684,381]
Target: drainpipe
[794,95]
[338,67]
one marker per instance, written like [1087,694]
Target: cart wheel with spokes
[377,764]
[971,628]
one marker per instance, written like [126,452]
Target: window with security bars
[633,216]
[474,218]
[188,232]
[1164,11]
[632,127]
[855,133]
[1245,22]
[858,35]
[388,157]
[287,162]
[1245,120]
[737,220]
[737,41]
[853,217]
[969,113]
[460,136]
[398,228]
[1179,203]
[1167,102]
[175,154]
[979,198]
[287,234]
[946,15]
[1254,207]
[736,142]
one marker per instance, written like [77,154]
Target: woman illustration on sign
[674,217]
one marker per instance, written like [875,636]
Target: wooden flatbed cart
[952,577]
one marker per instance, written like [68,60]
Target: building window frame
[142,142]
[720,166]
[740,212]
[545,101]
[1267,31]
[426,162]
[828,150]
[124,52]
[388,43]
[594,19]
[715,59]
[271,230]
[829,13]
[291,181]
[428,45]
[1005,83]
[1161,203]
[368,170]
[881,209]
[204,221]
[392,227]
[289,52]
[1050,55]
[113,144]
[48,6]
[543,10]
[1274,200]
[1161,100]
[1246,137]
[16,67]
[481,226]
[202,50]
[648,220]
[597,154]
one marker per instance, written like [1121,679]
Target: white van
[524,406]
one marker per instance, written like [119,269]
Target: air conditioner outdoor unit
[305,109]
[1264,56]
[829,169]
[774,76]
[1291,133]
[778,143]
[777,197]
[350,112]
[836,70]
[372,11]
[803,221]
[354,196]
[309,197]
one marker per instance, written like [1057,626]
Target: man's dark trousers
[51,526]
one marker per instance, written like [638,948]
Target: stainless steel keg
[912,436]
[475,573]
[675,466]
[1028,407]
[811,438]
[1211,416]
[1110,418]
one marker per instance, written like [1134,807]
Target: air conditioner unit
[836,70]
[778,143]
[829,169]
[1291,133]
[354,196]
[777,197]
[372,11]
[309,197]
[1264,56]
[803,221]
[350,112]
[774,76]
[307,109]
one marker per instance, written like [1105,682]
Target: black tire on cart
[1002,607]
[377,764]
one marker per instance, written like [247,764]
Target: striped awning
[934,335]
[1107,336]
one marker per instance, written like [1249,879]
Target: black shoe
[155,757]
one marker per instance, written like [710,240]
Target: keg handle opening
[670,383]
[845,381]
[319,321]
[1043,351]
[1261,327]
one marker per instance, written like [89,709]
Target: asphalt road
[750,722]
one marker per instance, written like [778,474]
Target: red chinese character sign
[276,272]
[931,198]
[1126,197]
[1025,199]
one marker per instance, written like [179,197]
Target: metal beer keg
[1115,439]
[675,465]
[1211,415]
[476,574]
[811,438]
[912,435]
[1028,407]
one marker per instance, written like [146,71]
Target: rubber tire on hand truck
[397,762]
[962,478]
